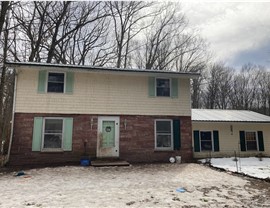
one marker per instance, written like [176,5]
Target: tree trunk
[3,12]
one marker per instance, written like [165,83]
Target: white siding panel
[100,94]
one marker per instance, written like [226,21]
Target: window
[251,140]
[163,87]
[52,133]
[164,138]
[56,82]
[206,141]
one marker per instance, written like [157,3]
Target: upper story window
[56,82]
[163,87]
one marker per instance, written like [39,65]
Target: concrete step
[109,162]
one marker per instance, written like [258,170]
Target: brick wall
[137,140]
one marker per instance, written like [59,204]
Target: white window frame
[170,86]
[43,134]
[212,141]
[172,144]
[256,135]
[47,80]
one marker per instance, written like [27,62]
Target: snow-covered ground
[152,185]
[252,166]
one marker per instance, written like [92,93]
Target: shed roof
[214,115]
[99,69]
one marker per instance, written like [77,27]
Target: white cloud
[231,28]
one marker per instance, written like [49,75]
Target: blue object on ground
[85,162]
[20,173]
[181,190]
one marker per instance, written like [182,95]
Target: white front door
[108,136]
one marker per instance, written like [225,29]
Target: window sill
[162,97]
[164,150]
[52,150]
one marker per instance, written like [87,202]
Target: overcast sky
[238,32]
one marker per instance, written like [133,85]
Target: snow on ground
[152,185]
[251,166]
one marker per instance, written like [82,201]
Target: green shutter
[151,86]
[37,134]
[216,141]
[69,82]
[176,134]
[260,141]
[68,129]
[242,141]
[196,137]
[174,88]
[42,78]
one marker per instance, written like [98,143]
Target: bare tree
[197,90]
[126,20]
[62,32]
[213,90]
[89,45]
[165,28]
[262,93]
[244,88]
[4,101]
[33,28]
[169,45]
[225,88]
[3,12]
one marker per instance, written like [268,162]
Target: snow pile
[251,166]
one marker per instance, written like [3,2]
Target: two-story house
[64,111]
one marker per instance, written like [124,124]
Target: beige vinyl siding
[229,141]
[99,93]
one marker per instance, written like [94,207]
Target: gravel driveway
[152,185]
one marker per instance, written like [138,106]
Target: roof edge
[219,121]
[103,69]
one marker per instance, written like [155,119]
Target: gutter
[12,119]
[98,69]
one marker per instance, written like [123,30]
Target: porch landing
[109,162]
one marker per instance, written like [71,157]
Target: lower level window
[251,140]
[206,141]
[53,133]
[164,134]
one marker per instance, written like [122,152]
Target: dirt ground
[153,185]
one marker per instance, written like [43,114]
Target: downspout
[12,119]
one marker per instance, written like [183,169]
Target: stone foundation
[136,142]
